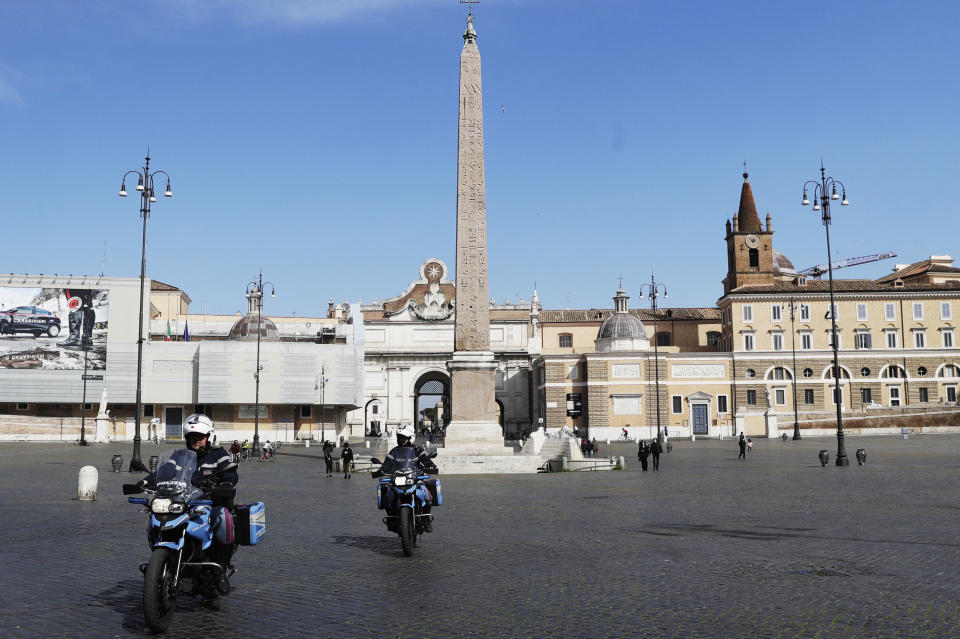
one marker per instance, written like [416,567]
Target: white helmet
[198,423]
[406,430]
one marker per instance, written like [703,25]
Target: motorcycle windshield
[174,473]
[405,459]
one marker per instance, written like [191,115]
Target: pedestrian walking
[742,442]
[749,445]
[594,447]
[655,450]
[585,447]
[642,453]
[328,457]
[346,456]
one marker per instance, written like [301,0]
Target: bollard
[861,456]
[87,484]
[117,462]
[564,463]
[366,443]
[306,443]
[154,461]
[824,457]
[623,462]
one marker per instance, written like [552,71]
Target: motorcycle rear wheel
[159,591]
[407,541]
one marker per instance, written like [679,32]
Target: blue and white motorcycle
[181,535]
[408,495]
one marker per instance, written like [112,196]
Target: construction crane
[820,269]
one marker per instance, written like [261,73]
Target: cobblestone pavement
[709,547]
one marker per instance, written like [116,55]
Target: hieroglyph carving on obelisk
[473,313]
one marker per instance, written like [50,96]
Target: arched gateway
[431,401]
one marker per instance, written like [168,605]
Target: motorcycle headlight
[400,480]
[176,507]
[161,505]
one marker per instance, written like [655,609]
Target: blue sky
[317,140]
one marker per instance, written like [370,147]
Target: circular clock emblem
[753,241]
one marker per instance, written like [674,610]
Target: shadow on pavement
[384,545]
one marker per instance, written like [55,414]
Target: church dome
[245,329]
[621,326]
[621,331]
[781,264]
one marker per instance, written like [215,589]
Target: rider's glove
[143,483]
[377,473]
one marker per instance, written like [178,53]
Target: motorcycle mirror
[374,460]
[131,489]
[137,466]
[432,455]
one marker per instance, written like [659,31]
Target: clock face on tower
[752,241]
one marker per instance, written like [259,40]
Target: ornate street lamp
[825,190]
[653,289]
[255,290]
[147,197]
[793,350]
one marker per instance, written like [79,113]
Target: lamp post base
[796,431]
[842,461]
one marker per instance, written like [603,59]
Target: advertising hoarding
[53,328]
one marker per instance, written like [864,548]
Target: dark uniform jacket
[214,463]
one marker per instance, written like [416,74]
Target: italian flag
[169,336]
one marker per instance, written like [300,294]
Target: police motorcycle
[181,535]
[408,495]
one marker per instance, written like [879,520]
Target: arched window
[893,371]
[754,258]
[713,338]
[948,370]
[778,373]
[828,374]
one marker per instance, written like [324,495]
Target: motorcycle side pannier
[433,485]
[382,491]
[251,523]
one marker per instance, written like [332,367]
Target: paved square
[709,547]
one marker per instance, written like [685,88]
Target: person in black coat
[743,447]
[642,453]
[655,451]
[328,456]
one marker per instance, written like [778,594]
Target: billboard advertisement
[53,328]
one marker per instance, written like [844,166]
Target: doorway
[431,403]
[700,419]
[173,419]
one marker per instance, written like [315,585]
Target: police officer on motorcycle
[402,454]
[215,467]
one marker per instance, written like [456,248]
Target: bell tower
[749,245]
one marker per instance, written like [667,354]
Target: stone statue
[766,393]
[103,404]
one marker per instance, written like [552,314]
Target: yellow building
[736,367]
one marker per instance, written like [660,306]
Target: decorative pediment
[429,298]
[699,396]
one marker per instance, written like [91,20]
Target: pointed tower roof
[749,220]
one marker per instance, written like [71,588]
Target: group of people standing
[346,457]
[646,450]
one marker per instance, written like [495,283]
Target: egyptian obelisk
[474,429]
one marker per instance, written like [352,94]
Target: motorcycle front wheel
[160,590]
[406,531]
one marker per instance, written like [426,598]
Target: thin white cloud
[292,13]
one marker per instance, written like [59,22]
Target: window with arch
[754,258]
[566,340]
[894,371]
[948,370]
[713,338]
[779,373]
[750,373]
[828,374]
[864,372]
[808,372]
